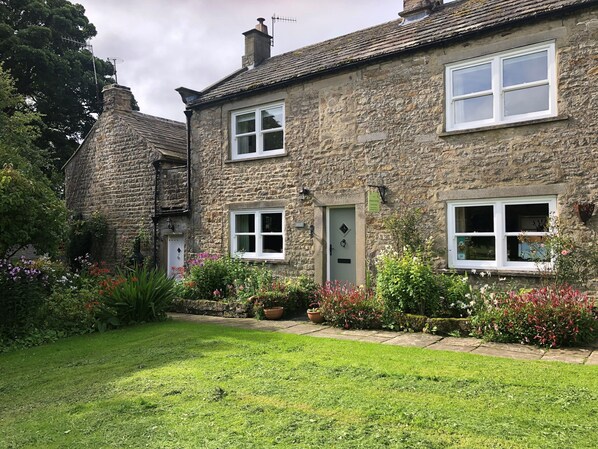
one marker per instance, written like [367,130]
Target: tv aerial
[114,61]
[275,19]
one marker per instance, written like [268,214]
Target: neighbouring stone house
[131,168]
[481,112]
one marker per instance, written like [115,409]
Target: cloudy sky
[165,44]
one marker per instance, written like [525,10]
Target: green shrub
[71,311]
[24,288]
[407,283]
[455,296]
[548,317]
[344,305]
[269,299]
[139,295]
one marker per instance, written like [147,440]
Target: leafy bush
[24,288]
[407,283]
[406,230]
[347,306]
[140,295]
[213,277]
[268,299]
[548,317]
[456,299]
[71,311]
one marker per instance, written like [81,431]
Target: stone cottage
[132,169]
[481,112]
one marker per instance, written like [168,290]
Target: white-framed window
[258,132]
[499,233]
[258,234]
[507,87]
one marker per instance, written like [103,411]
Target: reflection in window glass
[245,223]
[524,101]
[272,118]
[474,219]
[272,222]
[273,141]
[246,144]
[272,244]
[246,243]
[472,79]
[525,69]
[526,217]
[527,249]
[476,248]
[473,109]
[246,123]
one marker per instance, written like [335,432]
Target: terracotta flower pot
[273,313]
[315,317]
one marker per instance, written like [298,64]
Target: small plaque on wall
[373,201]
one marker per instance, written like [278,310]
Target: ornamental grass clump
[344,305]
[549,316]
[137,296]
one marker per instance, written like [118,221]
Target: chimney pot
[418,9]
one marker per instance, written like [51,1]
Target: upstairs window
[258,132]
[258,234]
[499,234]
[507,87]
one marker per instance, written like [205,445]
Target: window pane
[244,223]
[272,118]
[525,69]
[474,219]
[272,244]
[245,123]
[476,248]
[272,222]
[273,141]
[527,249]
[523,101]
[246,243]
[246,144]
[472,79]
[526,217]
[474,109]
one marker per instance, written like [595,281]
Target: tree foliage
[53,73]
[30,211]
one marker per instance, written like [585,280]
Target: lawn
[185,385]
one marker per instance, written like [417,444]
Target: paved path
[587,355]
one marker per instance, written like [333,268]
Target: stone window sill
[558,118]
[257,158]
[267,261]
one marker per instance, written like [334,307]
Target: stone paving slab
[417,340]
[587,355]
[592,359]
[568,355]
[442,346]
[501,352]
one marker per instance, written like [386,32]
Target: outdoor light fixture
[584,211]
[382,190]
[303,193]
[170,224]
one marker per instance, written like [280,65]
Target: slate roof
[167,137]
[451,21]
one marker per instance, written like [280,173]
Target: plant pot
[273,313]
[315,317]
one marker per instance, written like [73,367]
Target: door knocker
[343,243]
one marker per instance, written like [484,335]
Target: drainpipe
[188,114]
[155,217]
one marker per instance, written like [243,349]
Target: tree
[42,44]
[30,211]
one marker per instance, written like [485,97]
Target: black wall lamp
[303,193]
[170,224]
[382,190]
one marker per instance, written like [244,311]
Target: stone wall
[383,124]
[112,174]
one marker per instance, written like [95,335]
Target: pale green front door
[341,244]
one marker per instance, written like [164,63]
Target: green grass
[183,385]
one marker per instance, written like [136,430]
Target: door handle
[331,248]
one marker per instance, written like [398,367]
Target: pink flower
[565,252]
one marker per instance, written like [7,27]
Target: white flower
[482,274]
[502,279]
[474,271]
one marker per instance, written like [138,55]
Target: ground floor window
[257,234]
[499,233]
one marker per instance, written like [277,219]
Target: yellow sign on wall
[373,201]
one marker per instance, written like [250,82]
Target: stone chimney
[117,98]
[257,45]
[418,9]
